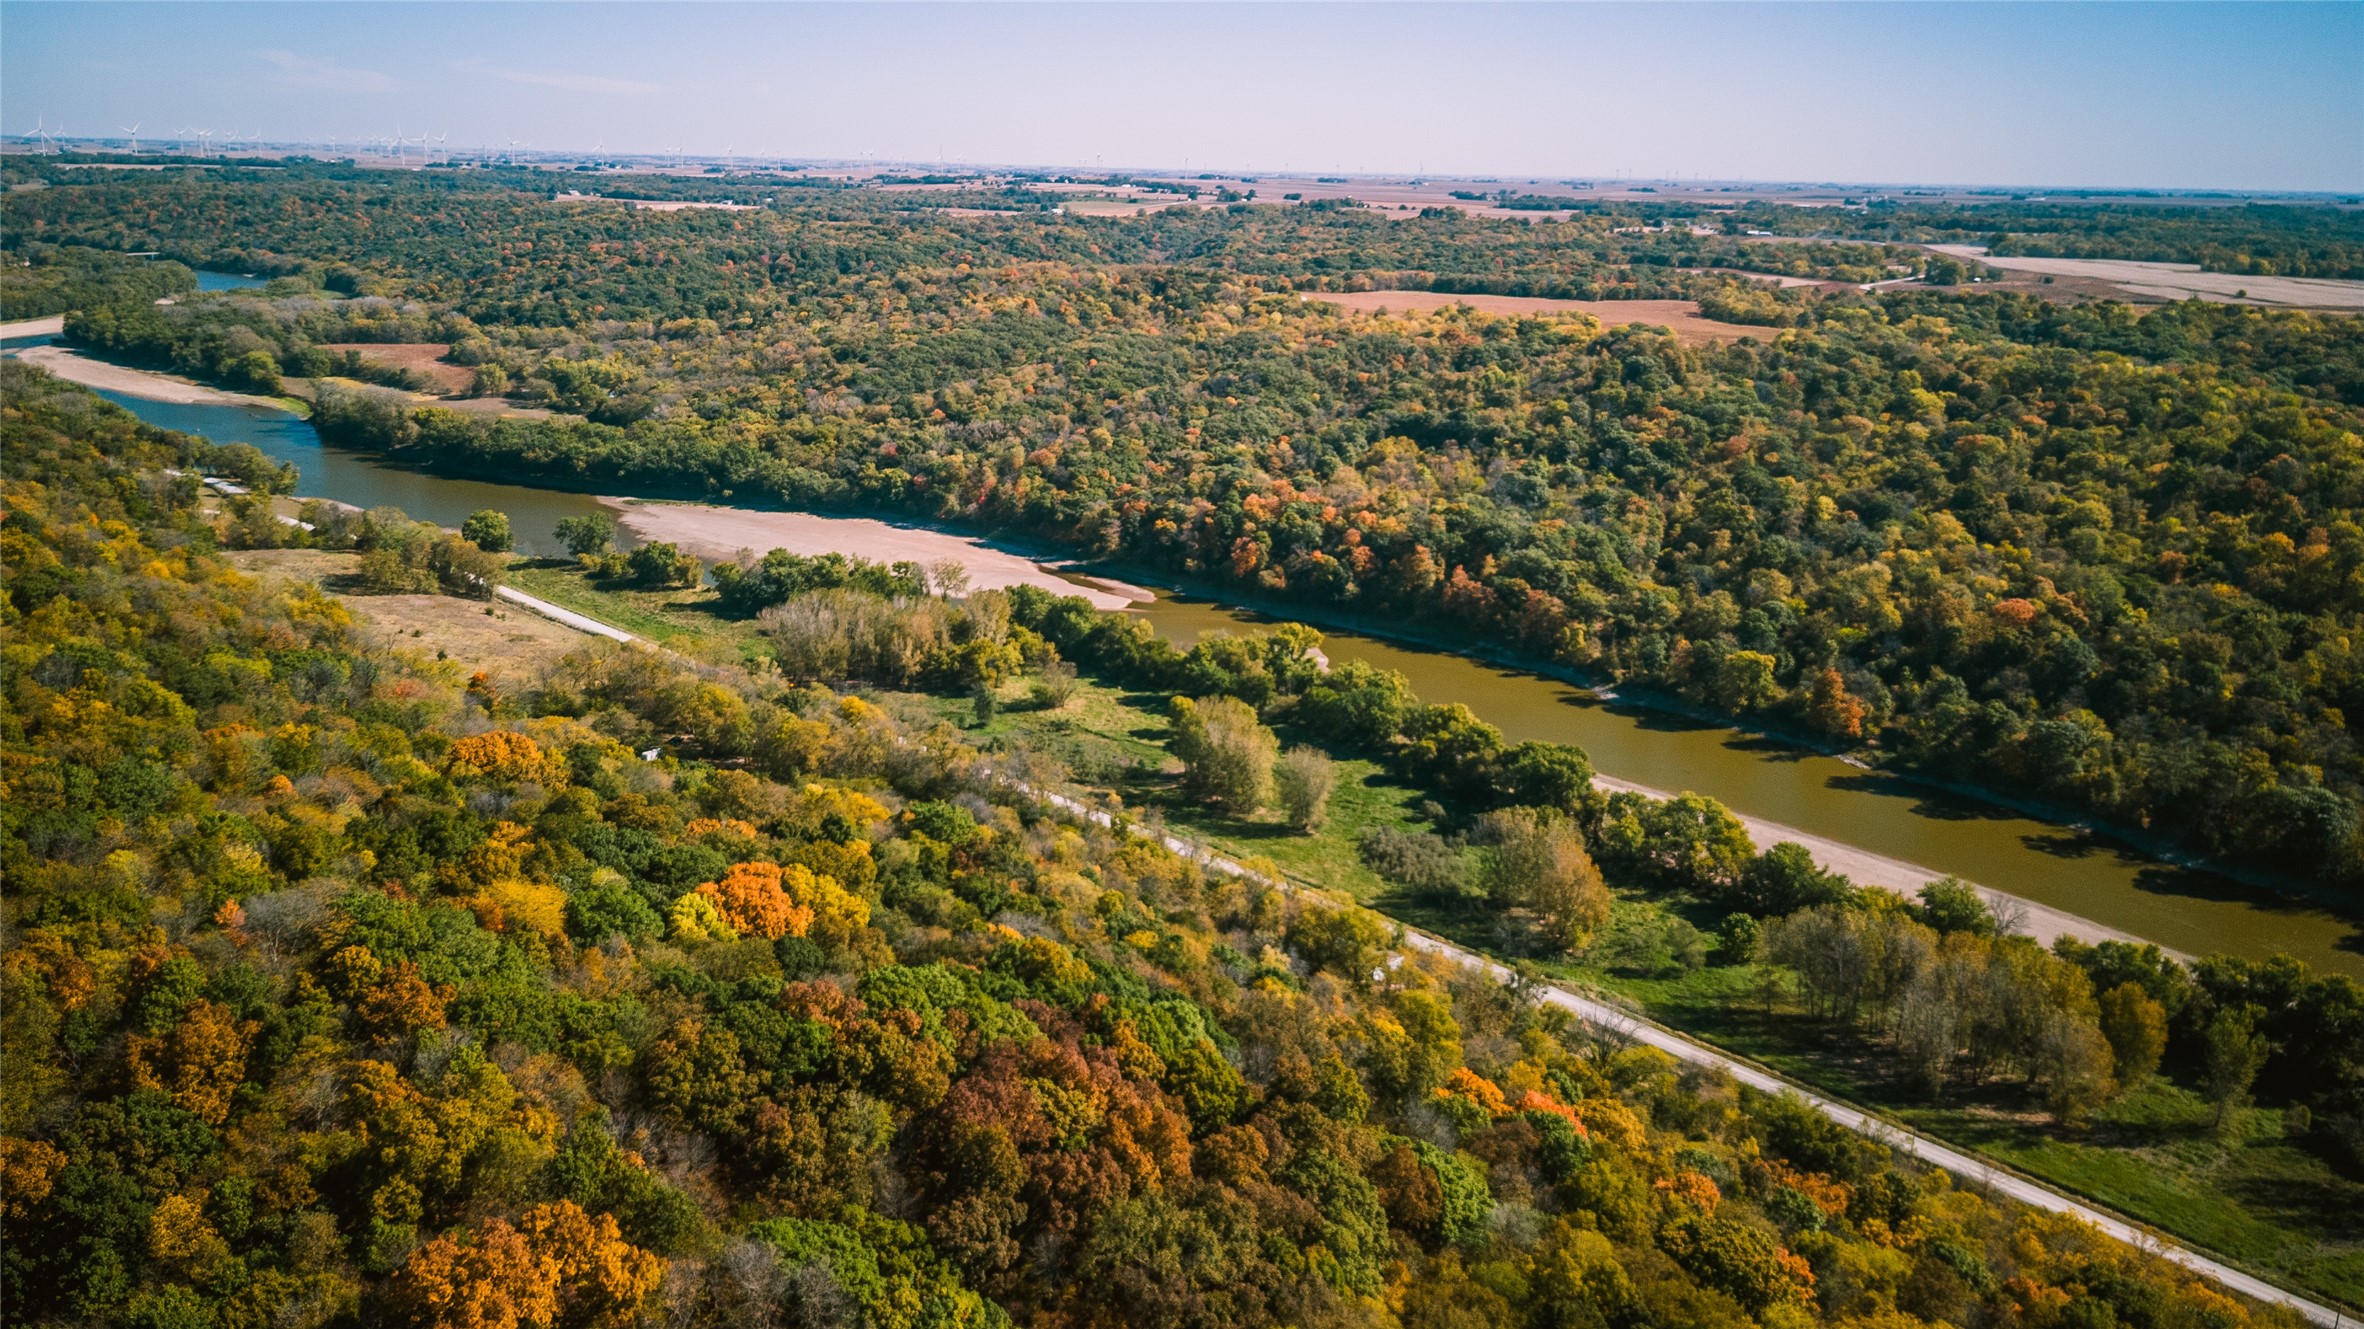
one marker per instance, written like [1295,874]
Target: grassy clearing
[509,643]
[1113,740]
[684,619]
[2251,1194]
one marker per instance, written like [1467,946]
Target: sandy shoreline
[34,327]
[1894,875]
[723,533]
[76,368]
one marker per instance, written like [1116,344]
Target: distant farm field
[2144,281]
[422,357]
[1682,316]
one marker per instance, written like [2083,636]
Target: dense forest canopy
[342,990]
[2098,556]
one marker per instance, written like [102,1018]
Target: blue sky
[2178,95]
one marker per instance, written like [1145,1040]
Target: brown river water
[2085,874]
[2183,909]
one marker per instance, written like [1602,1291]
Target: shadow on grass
[2322,1206]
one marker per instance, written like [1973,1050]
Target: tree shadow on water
[1662,722]
[1935,804]
[2194,884]
[2069,845]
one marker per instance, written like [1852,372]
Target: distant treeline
[37,280]
[2254,239]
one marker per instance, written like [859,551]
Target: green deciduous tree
[2136,1027]
[588,534]
[2232,1051]
[1227,754]
[489,530]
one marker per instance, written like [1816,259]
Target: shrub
[1415,861]
[1302,780]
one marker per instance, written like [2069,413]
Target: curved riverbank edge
[52,326]
[728,532]
[1395,632]
[2041,921]
[75,367]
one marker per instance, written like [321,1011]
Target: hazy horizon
[2244,97]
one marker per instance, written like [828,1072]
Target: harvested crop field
[1681,316]
[421,357]
[681,205]
[1122,207]
[2153,282]
[1772,278]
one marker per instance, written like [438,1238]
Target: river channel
[2085,874]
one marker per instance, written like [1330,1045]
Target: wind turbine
[39,132]
[134,131]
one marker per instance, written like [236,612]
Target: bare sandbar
[34,327]
[74,367]
[723,533]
